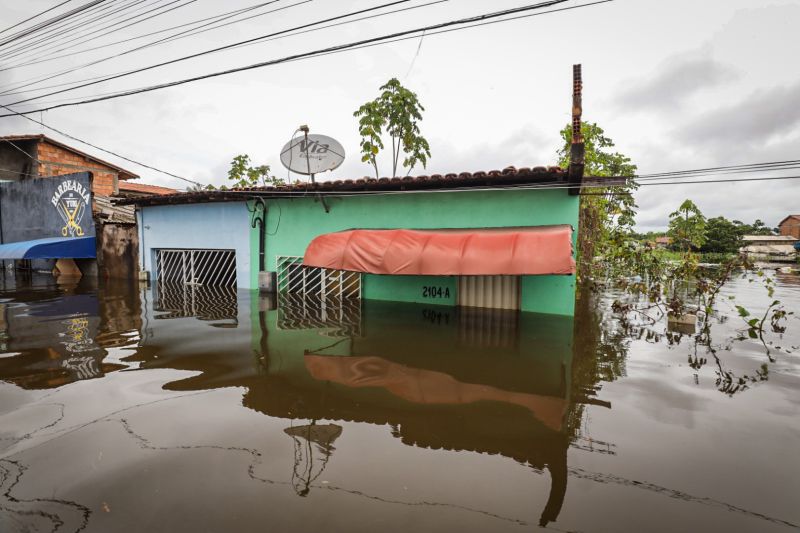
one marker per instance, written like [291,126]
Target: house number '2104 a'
[435,292]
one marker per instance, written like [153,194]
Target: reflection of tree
[600,351]
[306,468]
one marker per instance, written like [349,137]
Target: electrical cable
[37,15]
[70,28]
[78,25]
[142,47]
[67,24]
[214,50]
[333,49]
[28,31]
[87,143]
[8,92]
[221,16]
[546,186]
[186,2]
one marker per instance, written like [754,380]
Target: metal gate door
[213,268]
[294,278]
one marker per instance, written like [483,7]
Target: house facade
[790,226]
[502,239]
[57,193]
[772,248]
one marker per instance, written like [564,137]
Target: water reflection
[336,397]
[62,336]
[463,380]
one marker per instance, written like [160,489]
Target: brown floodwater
[191,409]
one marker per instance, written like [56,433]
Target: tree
[722,236]
[756,228]
[398,111]
[687,227]
[243,175]
[607,216]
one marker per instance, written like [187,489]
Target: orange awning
[446,252]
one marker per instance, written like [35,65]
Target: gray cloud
[676,81]
[756,121]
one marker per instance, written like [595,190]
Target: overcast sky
[677,84]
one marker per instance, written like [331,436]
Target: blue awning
[52,248]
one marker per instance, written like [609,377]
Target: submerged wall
[292,224]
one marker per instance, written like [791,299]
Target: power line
[37,15]
[49,57]
[773,165]
[186,2]
[65,134]
[481,19]
[214,50]
[307,191]
[145,46]
[71,28]
[49,22]
[294,33]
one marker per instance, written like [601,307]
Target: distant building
[38,156]
[790,226]
[663,242]
[55,205]
[778,248]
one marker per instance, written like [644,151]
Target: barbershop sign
[40,208]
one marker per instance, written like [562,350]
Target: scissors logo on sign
[70,200]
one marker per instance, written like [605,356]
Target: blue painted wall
[223,226]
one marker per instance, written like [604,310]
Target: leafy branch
[396,111]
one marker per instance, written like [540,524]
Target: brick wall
[55,161]
[791,227]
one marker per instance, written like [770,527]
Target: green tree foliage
[687,227]
[396,111]
[722,236]
[242,174]
[607,214]
[756,228]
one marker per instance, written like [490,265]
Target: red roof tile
[510,176]
[145,188]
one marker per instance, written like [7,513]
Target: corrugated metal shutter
[491,292]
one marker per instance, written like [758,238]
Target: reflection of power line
[671,493]
[55,510]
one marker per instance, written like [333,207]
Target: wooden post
[577,150]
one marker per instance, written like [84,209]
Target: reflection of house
[101,236]
[769,247]
[790,226]
[503,388]
[61,338]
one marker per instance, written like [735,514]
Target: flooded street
[205,410]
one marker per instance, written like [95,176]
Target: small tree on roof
[397,111]
[242,174]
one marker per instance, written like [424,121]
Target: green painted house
[499,239]
[469,239]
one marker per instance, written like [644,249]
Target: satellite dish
[312,154]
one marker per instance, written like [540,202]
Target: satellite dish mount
[321,153]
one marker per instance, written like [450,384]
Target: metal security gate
[213,268]
[296,279]
[492,292]
[310,297]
